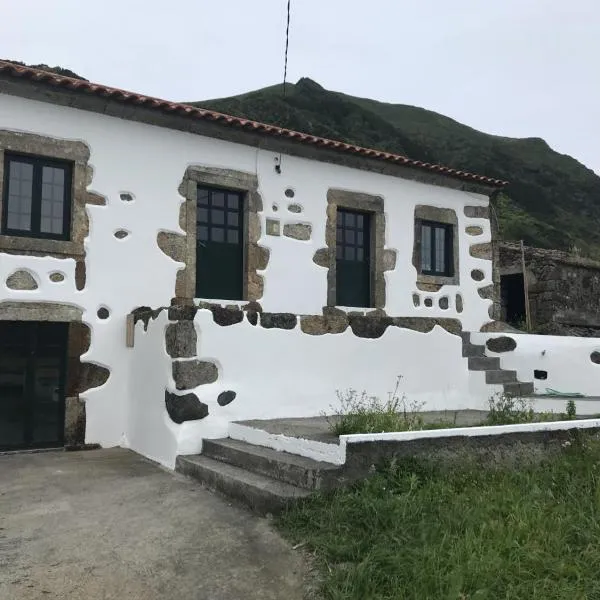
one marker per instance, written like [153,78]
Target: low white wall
[149,430]
[280,373]
[566,360]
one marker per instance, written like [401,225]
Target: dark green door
[353,260]
[220,244]
[32,384]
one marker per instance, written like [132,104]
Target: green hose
[551,392]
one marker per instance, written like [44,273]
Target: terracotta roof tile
[85,87]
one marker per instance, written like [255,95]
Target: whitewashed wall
[566,360]
[149,162]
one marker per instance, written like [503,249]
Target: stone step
[262,494]
[466,337]
[473,350]
[500,376]
[519,389]
[484,363]
[289,468]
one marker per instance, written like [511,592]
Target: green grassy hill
[553,200]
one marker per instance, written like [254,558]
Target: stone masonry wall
[563,289]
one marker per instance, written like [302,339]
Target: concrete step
[262,494]
[289,468]
[484,363]
[473,350]
[519,389]
[500,376]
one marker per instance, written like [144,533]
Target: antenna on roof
[287,40]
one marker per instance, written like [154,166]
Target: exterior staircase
[266,480]
[494,374]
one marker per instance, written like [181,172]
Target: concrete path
[108,524]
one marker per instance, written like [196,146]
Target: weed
[571,409]
[361,413]
[508,410]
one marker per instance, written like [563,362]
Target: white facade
[275,373]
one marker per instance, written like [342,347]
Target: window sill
[437,279]
[38,246]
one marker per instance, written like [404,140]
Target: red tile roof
[85,87]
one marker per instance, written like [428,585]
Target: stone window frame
[256,257]
[80,376]
[445,216]
[326,257]
[78,154]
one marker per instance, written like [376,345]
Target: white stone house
[166,270]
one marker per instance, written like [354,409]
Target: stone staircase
[266,480]
[494,374]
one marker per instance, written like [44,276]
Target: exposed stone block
[144,314]
[389,260]
[181,339]
[595,357]
[21,280]
[316,325]
[294,208]
[321,257]
[459,303]
[297,231]
[443,302]
[477,212]
[57,277]
[226,316]
[278,320]
[225,398]
[481,251]
[369,327]
[426,324]
[501,344]
[486,292]
[80,274]
[74,421]
[477,275]
[416,299]
[473,230]
[182,312]
[429,287]
[189,374]
[91,376]
[185,408]
[172,244]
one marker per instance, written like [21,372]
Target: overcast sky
[517,68]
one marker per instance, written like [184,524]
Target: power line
[287,41]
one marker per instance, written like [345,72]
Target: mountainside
[553,201]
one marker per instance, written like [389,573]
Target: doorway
[513,298]
[32,384]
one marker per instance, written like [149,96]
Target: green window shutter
[353,258]
[219,244]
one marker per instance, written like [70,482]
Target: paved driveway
[107,524]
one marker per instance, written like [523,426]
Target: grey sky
[517,68]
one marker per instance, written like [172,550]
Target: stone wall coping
[480,431]
[559,256]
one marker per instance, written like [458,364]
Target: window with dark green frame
[436,249]
[219,244]
[36,197]
[353,258]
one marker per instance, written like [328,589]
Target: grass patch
[413,532]
[362,413]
